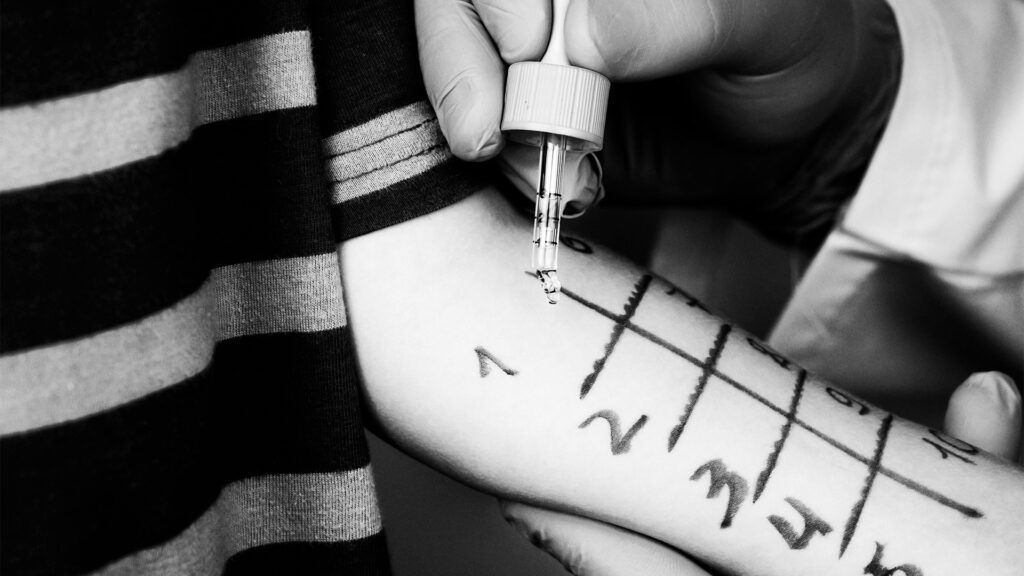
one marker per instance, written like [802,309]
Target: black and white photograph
[511,287]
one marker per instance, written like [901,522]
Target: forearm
[467,367]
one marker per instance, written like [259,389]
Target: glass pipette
[558,107]
[547,216]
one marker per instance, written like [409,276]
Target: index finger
[459,43]
[463,75]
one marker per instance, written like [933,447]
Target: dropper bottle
[560,108]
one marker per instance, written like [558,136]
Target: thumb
[986,411]
[463,72]
[519,28]
[646,39]
[590,548]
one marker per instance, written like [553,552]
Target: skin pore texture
[630,403]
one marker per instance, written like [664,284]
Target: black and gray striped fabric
[178,390]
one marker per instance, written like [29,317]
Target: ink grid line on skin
[620,326]
[908,483]
[773,458]
[708,367]
[869,481]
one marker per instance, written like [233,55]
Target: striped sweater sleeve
[179,391]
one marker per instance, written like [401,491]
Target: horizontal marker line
[899,478]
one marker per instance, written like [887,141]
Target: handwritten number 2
[619,441]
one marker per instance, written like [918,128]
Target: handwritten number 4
[813,524]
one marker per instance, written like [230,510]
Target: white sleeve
[945,189]
[946,185]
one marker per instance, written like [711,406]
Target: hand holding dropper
[558,107]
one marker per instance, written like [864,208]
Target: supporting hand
[724,99]
[985,410]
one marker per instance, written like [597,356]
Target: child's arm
[629,403]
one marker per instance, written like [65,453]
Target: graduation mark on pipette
[547,218]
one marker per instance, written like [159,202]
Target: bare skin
[630,404]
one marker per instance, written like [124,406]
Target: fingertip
[528,521]
[585,37]
[648,39]
[478,146]
[463,77]
[519,29]
[1007,390]
[472,139]
[986,411]
[622,40]
[998,389]
[469,116]
[510,509]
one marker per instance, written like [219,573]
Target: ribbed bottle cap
[558,99]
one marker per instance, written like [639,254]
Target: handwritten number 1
[485,359]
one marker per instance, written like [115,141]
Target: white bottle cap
[557,99]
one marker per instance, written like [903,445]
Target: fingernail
[526,531]
[492,144]
[999,388]
[583,21]
[986,411]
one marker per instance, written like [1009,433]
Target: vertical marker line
[620,326]
[917,487]
[869,481]
[702,382]
[773,458]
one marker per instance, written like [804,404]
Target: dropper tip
[552,287]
